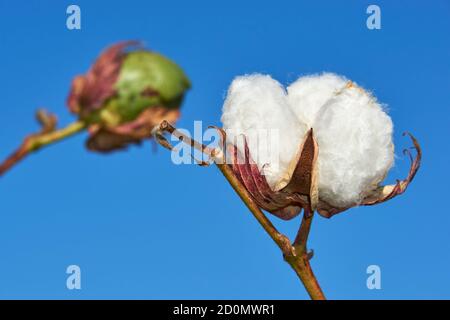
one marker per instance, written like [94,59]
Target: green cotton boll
[125,83]
[146,79]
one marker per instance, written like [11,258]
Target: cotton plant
[333,149]
[326,144]
[126,93]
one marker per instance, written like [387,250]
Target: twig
[47,136]
[295,254]
[300,262]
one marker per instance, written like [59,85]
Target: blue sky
[140,227]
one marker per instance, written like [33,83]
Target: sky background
[140,227]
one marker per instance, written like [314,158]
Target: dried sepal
[388,192]
[303,179]
[104,139]
[301,190]
[90,91]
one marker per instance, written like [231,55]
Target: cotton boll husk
[309,93]
[354,135]
[256,106]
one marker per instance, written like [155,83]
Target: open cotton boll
[256,106]
[354,135]
[309,93]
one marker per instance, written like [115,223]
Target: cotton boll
[354,135]
[256,106]
[309,93]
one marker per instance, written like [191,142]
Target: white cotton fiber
[354,135]
[256,106]
[309,93]
[353,132]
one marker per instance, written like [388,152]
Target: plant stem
[295,254]
[281,240]
[37,141]
[301,263]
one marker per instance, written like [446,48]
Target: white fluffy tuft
[256,106]
[309,93]
[353,132]
[354,135]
